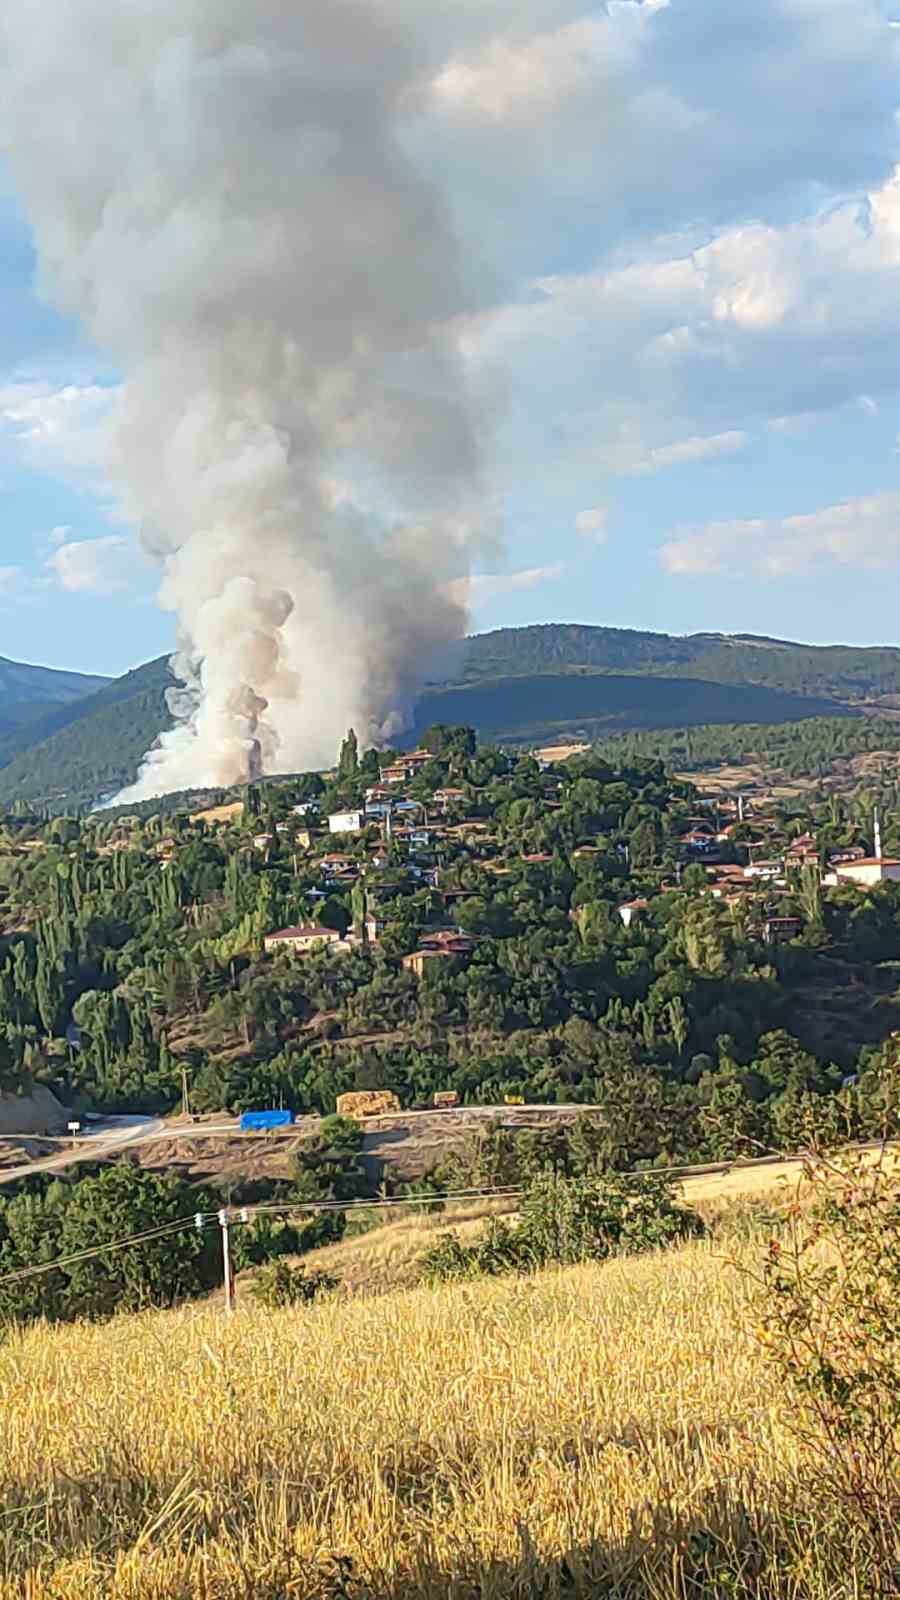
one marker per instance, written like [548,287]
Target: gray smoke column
[220,192]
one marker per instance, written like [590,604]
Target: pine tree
[348,761]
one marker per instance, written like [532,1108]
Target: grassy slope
[611,1429]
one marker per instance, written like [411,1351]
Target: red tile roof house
[803,852]
[440,946]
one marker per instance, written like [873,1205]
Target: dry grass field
[605,1430]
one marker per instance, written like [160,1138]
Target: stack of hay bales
[367,1103]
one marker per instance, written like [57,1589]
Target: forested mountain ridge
[517,685]
[30,697]
[22,684]
[837,671]
[87,751]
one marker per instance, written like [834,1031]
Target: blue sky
[681,222]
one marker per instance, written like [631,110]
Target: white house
[764,869]
[345,821]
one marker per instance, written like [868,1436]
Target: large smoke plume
[219,190]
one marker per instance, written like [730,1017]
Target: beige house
[443,945]
[866,872]
[302,939]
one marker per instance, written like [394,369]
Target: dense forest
[817,747]
[79,753]
[840,672]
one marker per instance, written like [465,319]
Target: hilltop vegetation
[33,698]
[820,747]
[83,752]
[526,709]
[22,685]
[839,672]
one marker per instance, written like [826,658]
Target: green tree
[348,761]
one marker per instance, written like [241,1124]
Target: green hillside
[841,672]
[587,705]
[553,680]
[21,685]
[31,699]
[89,753]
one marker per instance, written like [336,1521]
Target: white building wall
[869,872]
[345,822]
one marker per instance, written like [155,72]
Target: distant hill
[22,685]
[541,706]
[30,697]
[83,754]
[516,684]
[840,672]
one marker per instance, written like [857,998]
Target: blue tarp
[266,1119]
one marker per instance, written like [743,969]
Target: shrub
[566,1220]
[280,1284]
[340,1133]
[832,1329]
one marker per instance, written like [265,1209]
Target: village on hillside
[450,919]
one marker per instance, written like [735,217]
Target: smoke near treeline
[220,192]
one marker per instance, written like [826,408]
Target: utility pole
[185,1096]
[224,1222]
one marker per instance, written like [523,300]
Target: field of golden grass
[387,1256]
[605,1430]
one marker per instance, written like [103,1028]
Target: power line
[501,1192]
[203,1219]
[162,1231]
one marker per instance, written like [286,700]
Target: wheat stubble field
[602,1430]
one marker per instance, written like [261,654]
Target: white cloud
[681,353]
[686,451]
[94,566]
[592,523]
[650,115]
[59,535]
[521,80]
[482,587]
[61,428]
[857,533]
